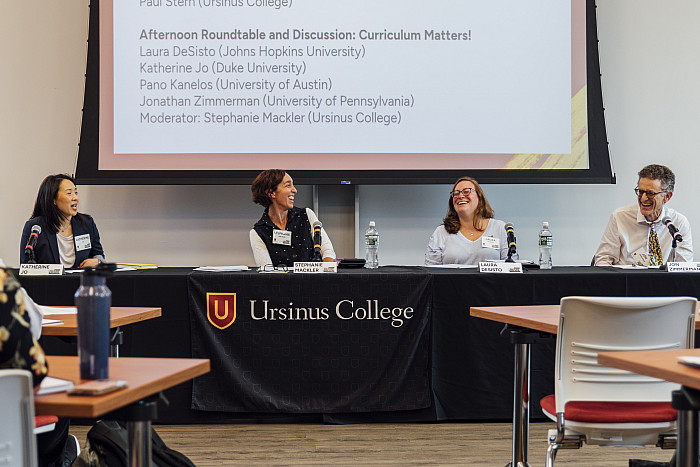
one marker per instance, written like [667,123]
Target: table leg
[139,443]
[138,418]
[116,339]
[522,339]
[687,446]
[521,405]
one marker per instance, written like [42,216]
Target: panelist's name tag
[82,242]
[41,270]
[641,258]
[500,267]
[282,237]
[490,242]
[676,266]
[314,267]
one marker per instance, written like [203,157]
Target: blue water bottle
[94,300]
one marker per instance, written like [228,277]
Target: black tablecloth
[471,366]
[321,343]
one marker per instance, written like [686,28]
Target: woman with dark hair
[469,232]
[66,236]
[284,233]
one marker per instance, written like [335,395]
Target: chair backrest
[588,325]
[17,441]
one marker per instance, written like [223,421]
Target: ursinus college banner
[311,343]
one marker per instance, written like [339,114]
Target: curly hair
[659,172]
[483,209]
[265,183]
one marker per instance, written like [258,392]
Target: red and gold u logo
[221,309]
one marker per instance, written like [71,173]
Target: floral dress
[18,348]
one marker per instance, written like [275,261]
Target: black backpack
[107,445]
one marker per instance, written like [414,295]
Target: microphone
[672,228]
[317,241]
[31,243]
[510,235]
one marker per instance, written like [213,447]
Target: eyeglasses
[465,192]
[650,194]
[273,268]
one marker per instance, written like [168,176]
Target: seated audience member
[67,236]
[469,233]
[19,349]
[284,233]
[636,234]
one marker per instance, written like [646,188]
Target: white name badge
[82,242]
[676,266]
[500,267]
[314,268]
[281,237]
[641,258]
[491,242]
[41,270]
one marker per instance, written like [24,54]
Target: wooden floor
[443,444]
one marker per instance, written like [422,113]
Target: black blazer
[46,250]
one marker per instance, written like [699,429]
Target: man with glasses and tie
[638,234]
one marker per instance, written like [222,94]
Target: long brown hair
[483,209]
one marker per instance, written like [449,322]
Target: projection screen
[213,91]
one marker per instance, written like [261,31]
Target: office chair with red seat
[44,423]
[606,406]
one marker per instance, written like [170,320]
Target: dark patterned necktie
[654,247]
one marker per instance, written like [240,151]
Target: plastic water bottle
[545,247]
[93,300]
[371,247]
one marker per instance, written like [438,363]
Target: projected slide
[340,85]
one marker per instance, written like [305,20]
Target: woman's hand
[89,263]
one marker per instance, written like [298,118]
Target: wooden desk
[663,364]
[119,316]
[145,376]
[541,318]
[544,318]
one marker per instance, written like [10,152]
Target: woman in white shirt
[469,233]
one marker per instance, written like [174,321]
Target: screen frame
[600,170]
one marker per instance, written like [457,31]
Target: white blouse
[447,248]
[66,250]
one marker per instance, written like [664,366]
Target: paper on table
[690,361]
[451,266]
[57,310]
[50,385]
[521,261]
[221,268]
[126,266]
[635,266]
[50,322]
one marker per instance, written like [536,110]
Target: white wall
[648,53]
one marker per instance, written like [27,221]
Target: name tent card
[500,267]
[314,268]
[41,270]
[676,266]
